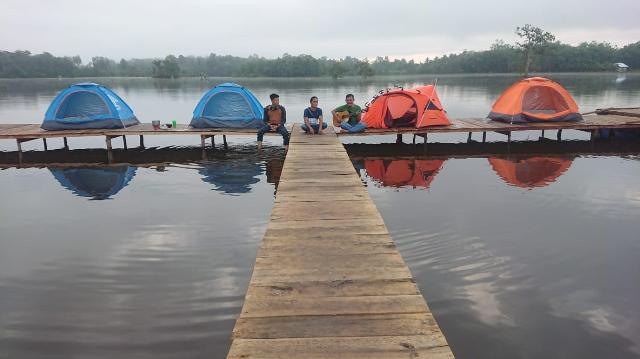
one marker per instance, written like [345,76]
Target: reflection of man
[349,115]
[274,170]
[313,122]
[275,117]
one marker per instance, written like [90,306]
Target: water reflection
[530,172]
[231,177]
[97,183]
[400,173]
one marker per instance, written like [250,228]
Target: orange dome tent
[530,172]
[419,107]
[535,99]
[400,173]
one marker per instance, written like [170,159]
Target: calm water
[519,257]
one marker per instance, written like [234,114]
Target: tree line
[537,51]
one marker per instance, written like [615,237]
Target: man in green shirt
[354,114]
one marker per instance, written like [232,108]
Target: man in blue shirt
[313,122]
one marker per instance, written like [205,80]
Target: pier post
[108,140]
[399,138]
[414,139]
[44,142]
[224,139]
[19,145]
[66,145]
[202,144]
[141,141]
[124,141]
[213,141]
[560,135]
[469,137]
[484,137]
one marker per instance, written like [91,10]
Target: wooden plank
[373,347]
[360,325]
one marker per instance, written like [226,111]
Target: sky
[412,29]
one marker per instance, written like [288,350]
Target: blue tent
[94,182]
[85,106]
[228,105]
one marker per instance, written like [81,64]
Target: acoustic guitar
[340,117]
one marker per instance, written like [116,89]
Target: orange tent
[535,99]
[400,173]
[530,172]
[419,107]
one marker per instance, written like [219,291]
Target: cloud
[331,28]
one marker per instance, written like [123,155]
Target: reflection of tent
[399,173]
[535,99]
[228,105]
[88,105]
[530,172]
[235,176]
[94,182]
[419,107]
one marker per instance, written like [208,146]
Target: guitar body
[340,117]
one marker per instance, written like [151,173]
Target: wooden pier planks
[591,122]
[328,280]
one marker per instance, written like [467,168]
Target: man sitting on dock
[313,118]
[275,117]
[348,116]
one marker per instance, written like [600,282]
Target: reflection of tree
[94,182]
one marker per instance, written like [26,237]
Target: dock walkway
[328,280]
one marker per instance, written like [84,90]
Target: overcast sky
[396,28]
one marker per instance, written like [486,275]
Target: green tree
[365,70]
[337,70]
[533,42]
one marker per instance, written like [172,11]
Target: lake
[519,256]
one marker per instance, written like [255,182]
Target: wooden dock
[328,280]
[610,118]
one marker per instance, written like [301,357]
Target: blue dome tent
[87,106]
[228,105]
[94,182]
